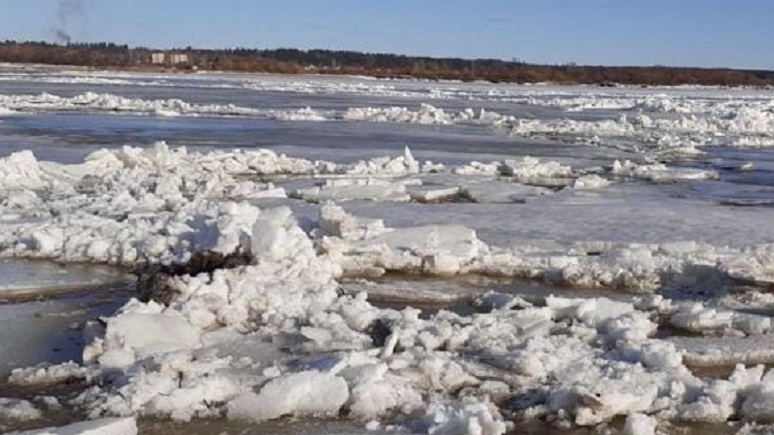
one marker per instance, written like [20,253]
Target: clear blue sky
[733,33]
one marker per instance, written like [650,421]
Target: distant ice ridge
[115,103]
[426,114]
[272,335]
[571,98]
[642,127]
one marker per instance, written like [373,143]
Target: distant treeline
[292,61]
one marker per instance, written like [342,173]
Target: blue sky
[733,33]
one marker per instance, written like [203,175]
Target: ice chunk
[301,394]
[276,235]
[591,311]
[135,335]
[469,419]
[18,410]
[590,182]
[495,191]
[337,222]
[529,168]
[639,424]
[45,374]
[697,318]
[717,351]
[354,188]
[660,173]
[434,194]
[478,168]
[21,170]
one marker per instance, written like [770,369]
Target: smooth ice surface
[105,426]
[51,330]
[20,278]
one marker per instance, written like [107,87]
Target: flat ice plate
[25,277]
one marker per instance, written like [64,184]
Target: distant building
[176,58]
[158,58]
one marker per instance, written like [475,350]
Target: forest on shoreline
[382,65]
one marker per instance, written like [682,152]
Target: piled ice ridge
[115,103]
[643,120]
[271,335]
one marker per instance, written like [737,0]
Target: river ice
[406,256]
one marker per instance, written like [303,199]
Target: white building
[176,58]
[158,58]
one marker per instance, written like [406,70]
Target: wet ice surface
[573,259]
[44,305]
[19,278]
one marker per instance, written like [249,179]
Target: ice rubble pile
[275,337]
[159,205]
[746,124]
[133,205]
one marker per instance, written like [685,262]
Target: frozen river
[260,254]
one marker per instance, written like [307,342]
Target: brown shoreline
[379,65]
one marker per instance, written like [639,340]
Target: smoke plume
[66,12]
[63,36]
